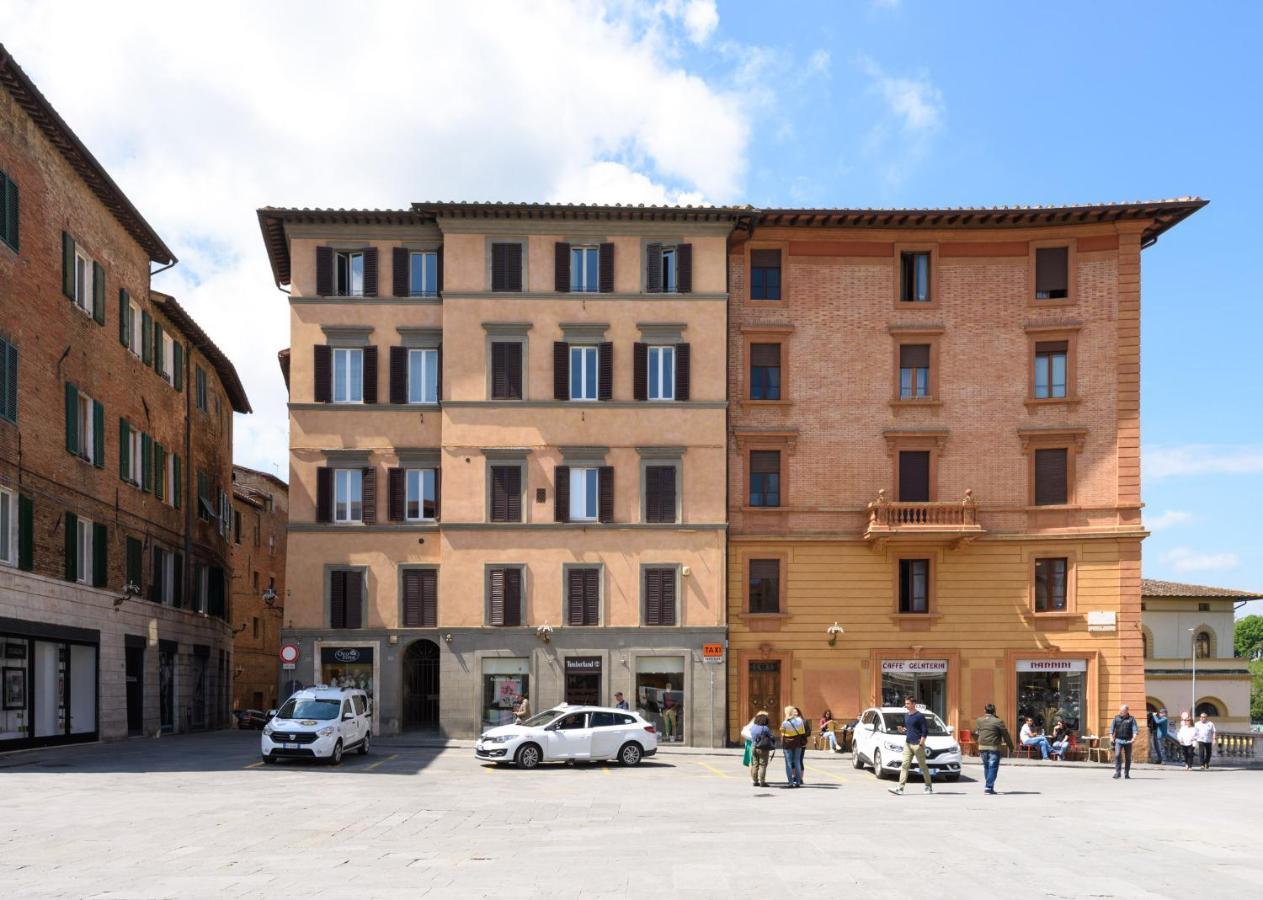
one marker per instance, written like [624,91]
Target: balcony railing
[891,517]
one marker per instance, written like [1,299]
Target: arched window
[1209,708]
[1147,639]
[1201,641]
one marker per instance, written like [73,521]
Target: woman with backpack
[762,743]
[793,742]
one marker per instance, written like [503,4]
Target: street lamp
[1192,709]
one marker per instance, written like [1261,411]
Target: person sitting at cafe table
[1030,737]
[827,733]
[1060,739]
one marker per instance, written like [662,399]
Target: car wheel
[631,754]
[528,756]
[268,759]
[364,743]
[877,769]
[335,759]
[857,761]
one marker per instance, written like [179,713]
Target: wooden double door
[764,680]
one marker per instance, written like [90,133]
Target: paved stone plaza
[200,817]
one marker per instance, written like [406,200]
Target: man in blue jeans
[992,736]
[1158,724]
[1123,730]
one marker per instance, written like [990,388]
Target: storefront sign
[1052,665]
[346,655]
[583,664]
[914,666]
[712,653]
[1102,620]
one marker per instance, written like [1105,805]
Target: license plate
[290,746]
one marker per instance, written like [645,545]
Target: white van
[318,723]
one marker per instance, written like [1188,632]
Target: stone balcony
[954,523]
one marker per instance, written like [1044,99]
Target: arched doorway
[421,685]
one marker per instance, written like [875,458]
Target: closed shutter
[155,575]
[177,578]
[337,599]
[659,596]
[396,494]
[914,476]
[429,598]
[398,375]
[26,533]
[561,494]
[653,268]
[354,600]
[324,494]
[640,371]
[420,598]
[68,265]
[495,599]
[135,561]
[605,365]
[98,293]
[177,482]
[1052,347]
[1052,271]
[592,596]
[100,555]
[9,401]
[370,271]
[684,258]
[513,371]
[765,462]
[914,356]
[146,338]
[438,493]
[323,373]
[765,356]
[177,365]
[561,370]
[561,267]
[71,521]
[605,493]
[411,599]
[124,444]
[500,371]
[1051,483]
[660,499]
[159,469]
[765,259]
[146,462]
[683,372]
[605,277]
[324,271]
[399,271]
[513,597]
[506,493]
[98,435]
[368,488]
[124,315]
[370,375]
[506,267]
[72,418]
[574,597]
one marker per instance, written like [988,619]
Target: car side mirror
[951,729]
[271,714]
[348,717]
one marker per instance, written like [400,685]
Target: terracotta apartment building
[934,461]
[115,457]
[507,457]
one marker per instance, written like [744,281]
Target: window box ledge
[763,621]
[928,402]
[1033,403]
[780,403]
[915,621]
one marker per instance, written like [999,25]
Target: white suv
[318,723]
[570,733]
[878,742]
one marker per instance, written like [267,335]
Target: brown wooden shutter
[592,596]
[398,374]
[640,371]
[1051,482]
[605,493]
[561,266]
[354,600]
[667,577]
[653,597]
[322,390]
[561,370]
[574,596]
[370,374]
[438,493]
[683,372]
[513,483]
[1052,270]
[324,494]
[914,476]
[324,271]
[765,355]
[765,462]
[370,271]
[1052,347]
[513,371]
[412,614]
[561,494]
[765,259]
[337,599]
[605,366]
[429,598]
[660,493]
[368,495]
[914,356]
[499,265]
[438,259]
[396,494]
[500,371]
[513,597]
[605,280]
[400,263]
[684,266]
[653,268]
[506,493]
[495,599]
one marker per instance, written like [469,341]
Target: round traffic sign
[289,653]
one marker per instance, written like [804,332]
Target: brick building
[115,457]
[260,511]
[934,445]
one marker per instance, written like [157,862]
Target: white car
[570,733]
[318,723]
[878,741]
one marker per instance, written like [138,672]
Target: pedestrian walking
[1158,724]
[521,709]
[993,736]
[915,731]
[762,743]
[793,742]
[1204,729]
[1123,731]
[1187,736]
[620,702]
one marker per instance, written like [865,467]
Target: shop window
[660,695]
[504,681]
[348,667]
[914,586]
[924,680]
[1048,690]
[764,588]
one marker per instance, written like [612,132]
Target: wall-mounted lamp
[447,636]
[544,632]
[686,571]
[833,631]
[269,597]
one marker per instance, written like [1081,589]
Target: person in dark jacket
[1123,730]
[992,736]
[762,741]
[915,731]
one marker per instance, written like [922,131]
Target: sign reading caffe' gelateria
[914,666]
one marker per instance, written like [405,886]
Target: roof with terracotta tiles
[1150,587]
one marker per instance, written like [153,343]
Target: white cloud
[1202,459]
[915,103]
[204,115]
[1184,559]
[912,114]
[1168,519]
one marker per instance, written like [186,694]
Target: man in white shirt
[1204,731]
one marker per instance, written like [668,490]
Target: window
[420,598]
[85,427]
[660,494]
[162,587]
[83,551]
[585,269]
[423,273]
[583,495]
[1051,584]
[661,373]
[914,585]
[765,371]
[506,266]
[348,376]
[135,328]
[8,528]
[914,276]
[87,438]
[1201,642]
[199,383]
[8,211]
[83,287]
[346,599]
[504,596]
[1052,271]
[166,366]
[506,370]
[765,478]
[914,371]
[423,376]
[8,381]
[420,495]
[765,274]
[914,476]
[765,586]
[659,596]
[506,493]
[1203,607]
[583,373]
[1050,369]
[131,468]
[348,271]
[348,495]
[583,596]
[1051,477]
[670,270]
[255,627]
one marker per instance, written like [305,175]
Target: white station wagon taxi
[569,734]
[878,742]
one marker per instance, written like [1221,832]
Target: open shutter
[370,374]
[68,265]
[574,596]
[438,258]
[324,494]
[177,364]
[26,533]
[98,435]
[368,488]
[605,281]
[398,375]
[146,338]
[100,555]
[71,523]
[438,493]
[11,214]
[177,577]
[155,576]
[72,418]
[135,562]
[438,374]
[177,484]
[157,348]
[561,267]
[683,372]
[399,260]
[605,493]
[124,316]
[513,597]
[146,462]
[653,268]
[98,293]
[159,469]
[640,371]
[337,599]
[561,370]
[396,494]
[605,365]
[495,599]
[323,373]
[324,271]
[124,443]
[370,271]
[561,494]
[684,261]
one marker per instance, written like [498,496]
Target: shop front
[1052,689]
[583,681]
[660,696]
[48,685]
[349,665]
[924,680]
[505,679]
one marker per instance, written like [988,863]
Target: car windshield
[310,709]
[934,725]
[542,718]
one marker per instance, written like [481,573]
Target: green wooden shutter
[146,338]
[98,435]
[98,293]
[10,212]
[159,458]
[157,348]
[124,316]
[100,557]
[72,418]
[72,548]
[68,265]
[135,550]
[177,486]
[146,462]
[124,442]
[178,365]
[26,533]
